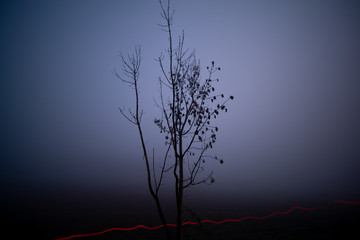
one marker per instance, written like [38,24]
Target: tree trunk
[181,192]
[162,217]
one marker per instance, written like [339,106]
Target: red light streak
[208,221]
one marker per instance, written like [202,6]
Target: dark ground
[42,222]
[341,222]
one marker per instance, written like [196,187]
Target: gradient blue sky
[293,66]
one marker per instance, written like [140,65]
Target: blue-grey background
[292,131]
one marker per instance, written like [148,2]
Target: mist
[291,134]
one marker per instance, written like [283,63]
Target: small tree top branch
[132,119]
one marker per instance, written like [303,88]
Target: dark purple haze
[291,133]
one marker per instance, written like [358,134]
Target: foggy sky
[293,67]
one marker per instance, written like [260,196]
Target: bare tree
[130,70]
[188,107]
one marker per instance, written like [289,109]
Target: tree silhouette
[188,107]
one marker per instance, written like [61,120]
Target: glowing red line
[346,202]
[208,221]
